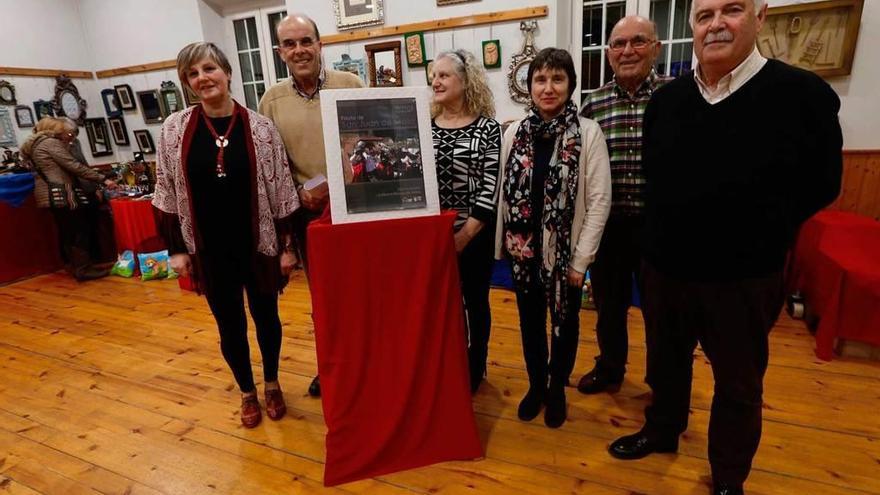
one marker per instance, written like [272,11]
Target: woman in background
[556,195]
[224,200]
[48,150]
[467,142]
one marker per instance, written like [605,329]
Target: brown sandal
[275,406]
[250,411]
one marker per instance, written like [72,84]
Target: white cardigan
[593,201]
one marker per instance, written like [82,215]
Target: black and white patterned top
[467,169]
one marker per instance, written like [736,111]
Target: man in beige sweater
[295,106]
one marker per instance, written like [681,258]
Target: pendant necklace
[221,141]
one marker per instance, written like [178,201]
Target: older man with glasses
[618,107]
[294,105]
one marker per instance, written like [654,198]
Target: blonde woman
[48,150]
[467,144]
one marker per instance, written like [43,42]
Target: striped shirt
[467,169]
[620,116]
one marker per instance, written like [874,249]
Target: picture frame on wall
[99,137]
[415,49]
[384,65]
[380,154]
[125,97]
[43,108]
[151,106]
[24,117]
[354,14]
[492,54]
[171,101]
[144,140]
[111,103]
[7,132]
[119,131]
[429,72]
[356,66]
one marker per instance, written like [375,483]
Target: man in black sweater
[736,156]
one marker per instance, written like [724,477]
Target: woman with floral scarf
[555,198]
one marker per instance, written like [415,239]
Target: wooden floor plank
[119,386]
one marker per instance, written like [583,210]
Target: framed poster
[353,14]
[380,153]
[816,36]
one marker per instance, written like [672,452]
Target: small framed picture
[119,131]
[357,67]
[23,116]
[415,49]
[151,107]
[353,14]
[125,97]
[429,72]
[111,102]
[492,54]
[145,141]
[43,108]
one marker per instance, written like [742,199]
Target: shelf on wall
[23,71]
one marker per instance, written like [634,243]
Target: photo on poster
[380,154]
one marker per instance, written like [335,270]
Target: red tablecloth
[391,346]
[28,241]
[133,224]
[836,265]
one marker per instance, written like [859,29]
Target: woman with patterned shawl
[224,201]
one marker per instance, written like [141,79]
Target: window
[259,65]
[595,19]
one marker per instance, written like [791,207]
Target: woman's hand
[181,263]
[467,232]
[575,278]
[288,262]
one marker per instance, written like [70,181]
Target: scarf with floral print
[548,243]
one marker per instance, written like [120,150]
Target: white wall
[408,11]
[42,34]
[212,24]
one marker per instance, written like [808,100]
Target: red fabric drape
[28,241]
[837,266]
[391,346]
[133,224]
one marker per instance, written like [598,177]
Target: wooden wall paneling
[860,188]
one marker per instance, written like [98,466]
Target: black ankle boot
[556,413]
[530,405]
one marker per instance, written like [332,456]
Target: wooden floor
[118,387]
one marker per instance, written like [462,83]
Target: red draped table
[391,346]
[836,265]
[134,225]
[28,241]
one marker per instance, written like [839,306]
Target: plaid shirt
[620,117]
[321,78]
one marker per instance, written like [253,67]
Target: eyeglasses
[637,42]
[289,44]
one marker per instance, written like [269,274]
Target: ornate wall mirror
[67,102]
[7,93]
[171,100]
[384,64]
[151,106]
[99,137]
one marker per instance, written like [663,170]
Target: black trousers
[301,220]
[731,321]
[533,307]
[226,300]
[617,260]
[74,236]
[475,265]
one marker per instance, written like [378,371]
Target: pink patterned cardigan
[275,191]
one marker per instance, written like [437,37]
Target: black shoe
[90,273]
[597,381]
[315,387]
[555,414]
[723,489]
[530,405]
[640,445]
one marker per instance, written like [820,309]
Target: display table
[837,267]
[134,225]
[28,241]
[391,346]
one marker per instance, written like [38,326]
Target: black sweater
[729,184]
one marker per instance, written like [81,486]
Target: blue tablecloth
[15,188]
